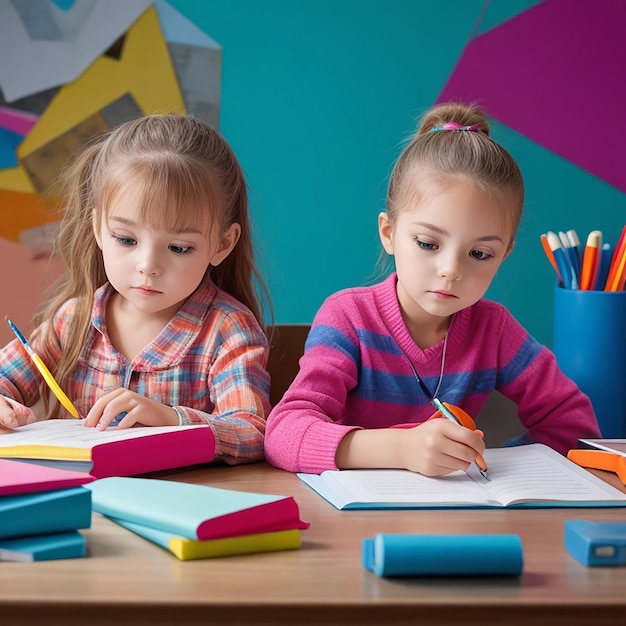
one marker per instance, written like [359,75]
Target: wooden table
[127,580]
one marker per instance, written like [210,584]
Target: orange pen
[461,417]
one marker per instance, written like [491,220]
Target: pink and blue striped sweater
[355,373]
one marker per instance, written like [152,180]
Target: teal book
[525,476]
[193,511]
[45,512]
[68,545]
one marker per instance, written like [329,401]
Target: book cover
[616,446]
[45,512]
[525,476]
[189,549]
[17,477]
[193,511]
[69,545]
[124,452]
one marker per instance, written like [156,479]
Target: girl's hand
[137,409]
[13,414]
[440,446]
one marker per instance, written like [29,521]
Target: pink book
[17,478]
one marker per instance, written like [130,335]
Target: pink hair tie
[454,126]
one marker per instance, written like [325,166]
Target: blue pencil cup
[590,347]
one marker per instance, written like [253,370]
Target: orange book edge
[600,459]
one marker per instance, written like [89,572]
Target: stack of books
[197,521]
[41,512]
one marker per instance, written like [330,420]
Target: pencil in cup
[548,252]
[571,256]
[616,278]
[591,260]
[561,260]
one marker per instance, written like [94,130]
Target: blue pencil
[569,258]
[605,263]
[561,259]
[574,241]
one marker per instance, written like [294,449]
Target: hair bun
[454,116]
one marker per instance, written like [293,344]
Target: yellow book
[189,549]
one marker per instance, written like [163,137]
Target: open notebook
[531,476]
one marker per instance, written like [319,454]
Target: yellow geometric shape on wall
[15,179]
[144,70]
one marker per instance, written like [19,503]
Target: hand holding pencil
[44,371]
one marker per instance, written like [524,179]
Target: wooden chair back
[286,348]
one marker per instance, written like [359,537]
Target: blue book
[69,545]
[45,512]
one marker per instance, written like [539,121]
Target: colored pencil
[569,257]
[546,248]
[591,260]
[605,263]
[561,259]
[612,279]
[574,242]
[620,274]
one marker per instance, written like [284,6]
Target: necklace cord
[429,395]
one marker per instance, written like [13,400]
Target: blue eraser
[596,544]
[443,555]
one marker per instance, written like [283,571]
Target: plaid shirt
[208,364]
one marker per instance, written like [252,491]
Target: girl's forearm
[380,447]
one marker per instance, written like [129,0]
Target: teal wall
[317,98]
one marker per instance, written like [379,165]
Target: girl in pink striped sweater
[376,356]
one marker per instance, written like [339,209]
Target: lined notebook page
[532,473]
[537,473]
[401,486]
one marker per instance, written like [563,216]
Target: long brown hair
[186,172]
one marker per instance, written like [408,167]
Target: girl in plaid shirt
[156,320]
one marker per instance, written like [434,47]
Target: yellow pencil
[619,277]
[44,371]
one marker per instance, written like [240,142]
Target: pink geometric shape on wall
[555,74]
